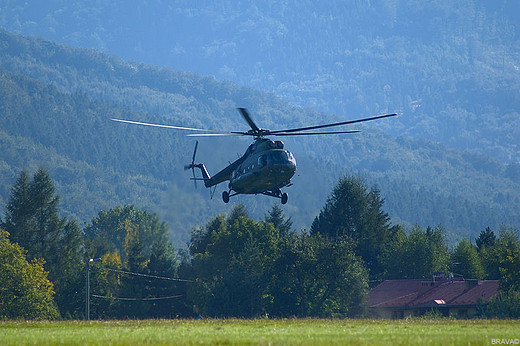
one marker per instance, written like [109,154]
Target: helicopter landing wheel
[225,196]
[285,197]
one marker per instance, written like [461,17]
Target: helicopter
[266,166]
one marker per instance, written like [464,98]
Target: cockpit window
[280,156]
[262,161]
[277,156]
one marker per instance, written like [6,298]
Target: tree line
[234,266]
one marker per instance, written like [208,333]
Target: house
[453,296]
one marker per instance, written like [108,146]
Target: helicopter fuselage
[264,168]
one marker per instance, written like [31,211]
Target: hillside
[57,102]
[451,69]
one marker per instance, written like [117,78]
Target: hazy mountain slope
[99,164]
[450,68]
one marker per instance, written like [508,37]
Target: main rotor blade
[169,126]
[218,134]
[247,117]
[331,125]
[314,133]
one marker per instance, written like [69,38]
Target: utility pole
[87,300]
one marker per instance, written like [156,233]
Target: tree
[510,271]
[32,214]
[238,211]
[501,259]
[276,216]
[201,236]
[163,262]
[354,212]
[134,241]
[232,261]
[485,239]
[506,304]
[466,262]
[44,204]
[136,262]
[108,230]
[251,270]
[67,271]
[344,281]
[319,276]
[32,219]
[418,254]
[246,268]
[25,291]
[18,212]
[106,283]
[293,282]
[508,248]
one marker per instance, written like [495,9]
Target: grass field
[261,332]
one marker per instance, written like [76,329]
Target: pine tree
[276,216]
[486,238]
[18,217]
[239,210]
[33,220]
[354,212]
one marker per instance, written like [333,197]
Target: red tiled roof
[394,293]
[446,291]
[485,290]
[426,293]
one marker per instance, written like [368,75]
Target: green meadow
[262,332]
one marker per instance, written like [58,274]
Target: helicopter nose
[288,168]
[291,164]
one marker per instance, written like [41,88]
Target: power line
[143,275]
[146,275]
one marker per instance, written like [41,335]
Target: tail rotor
[192,165]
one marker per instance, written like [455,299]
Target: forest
[234,266]
[451,69]
[58,102]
